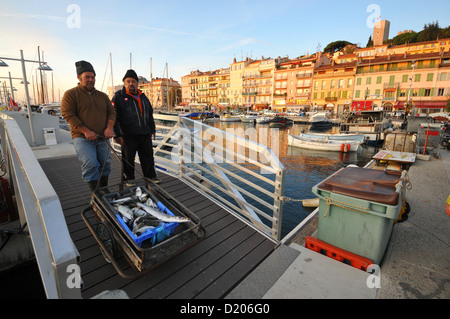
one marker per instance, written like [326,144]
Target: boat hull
[323,144]
[248,119]
[337,137]
[233,118]
[263,120]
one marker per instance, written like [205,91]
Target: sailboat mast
[151,82]
[42,83]
[112,80]
[53,90]
[167,85]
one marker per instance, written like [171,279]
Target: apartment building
[293,81]
[332,88]
[389,81]
[162,92]
[223,91]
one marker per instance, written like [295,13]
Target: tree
[335,46]
[430,32]
[369,43]
[405,38]
[445,33]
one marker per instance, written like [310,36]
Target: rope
[287,199]
[347,206]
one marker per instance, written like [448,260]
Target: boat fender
[348,147]
[344,147]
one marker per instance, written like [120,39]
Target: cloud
[241,43]
[32,16]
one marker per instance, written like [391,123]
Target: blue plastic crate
[157,234]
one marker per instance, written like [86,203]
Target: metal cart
[115,242]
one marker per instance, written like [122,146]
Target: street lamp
[43,67]
[408,103]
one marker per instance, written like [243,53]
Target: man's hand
[109,132]
[91,136]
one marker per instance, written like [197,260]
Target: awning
[423,104]
[361,106]
[431,104]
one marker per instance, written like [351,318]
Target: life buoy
[348,147]
[343,148]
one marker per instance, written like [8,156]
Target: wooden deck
[210,269]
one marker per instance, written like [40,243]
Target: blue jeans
[95,158]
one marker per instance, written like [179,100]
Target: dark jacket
[130,119]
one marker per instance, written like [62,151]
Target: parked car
[50,109]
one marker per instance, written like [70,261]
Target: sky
[186,35]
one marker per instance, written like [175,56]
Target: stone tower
[381,32]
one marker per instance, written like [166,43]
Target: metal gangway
[243,176]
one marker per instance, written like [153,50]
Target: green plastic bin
[357,209]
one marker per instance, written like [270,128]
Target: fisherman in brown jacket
[90,115]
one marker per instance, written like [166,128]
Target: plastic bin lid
[363,183]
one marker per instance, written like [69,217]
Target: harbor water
[303,168]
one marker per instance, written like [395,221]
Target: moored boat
[263,119]
[323,144]
[371,124]
[280,121]
[319,121]
[249,117]
[338,137]
[230,118]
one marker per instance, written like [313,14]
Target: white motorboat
[263,119]
[338,137]
[319,121]
[230,118]
[249,117]
[323,144]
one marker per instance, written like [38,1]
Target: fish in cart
[162,216]
[141,213]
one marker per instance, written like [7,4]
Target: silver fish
[136,222]
[138,212]
[140,231]
[151,203]
[125,212]
[121,200]
[141,196]
[162,216]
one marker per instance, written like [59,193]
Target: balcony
[303,75]
[388,98]
[331,99]
[392,85]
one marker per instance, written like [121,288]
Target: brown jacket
[79,107]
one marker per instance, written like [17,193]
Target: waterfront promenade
[417,260]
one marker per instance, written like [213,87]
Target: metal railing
[40,209]
[241,175]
